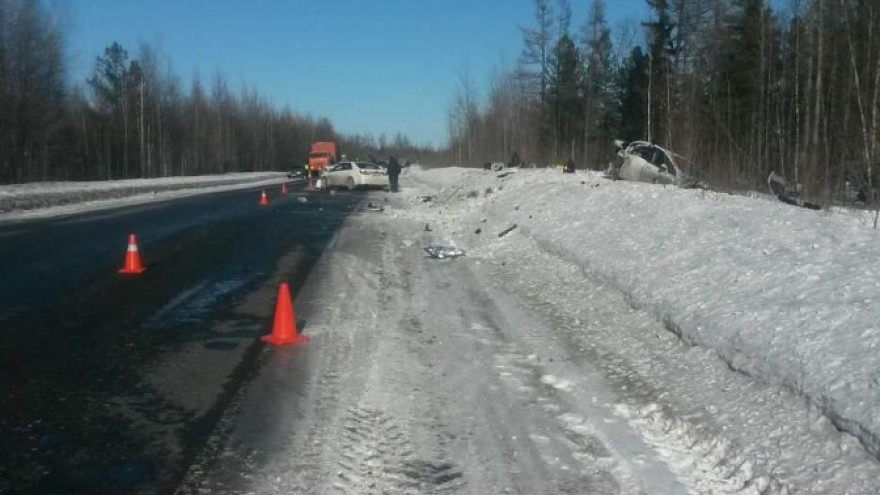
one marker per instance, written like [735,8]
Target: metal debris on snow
[444,252]
[507,230]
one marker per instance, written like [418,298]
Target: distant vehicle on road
[296,173]
[355,174]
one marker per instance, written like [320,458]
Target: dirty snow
[616,341]
[48,199]
[623,338]
[787,297]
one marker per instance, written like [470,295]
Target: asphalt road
[111,383]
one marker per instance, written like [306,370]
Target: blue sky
[377,66]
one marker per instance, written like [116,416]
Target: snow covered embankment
[783,294]
[41,195]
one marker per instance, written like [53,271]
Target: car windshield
[369,166]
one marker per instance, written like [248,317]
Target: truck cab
[321,157]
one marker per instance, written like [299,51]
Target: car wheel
[349,183]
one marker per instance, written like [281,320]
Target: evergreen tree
[565,98]
[632,97]
[598,82]
[661,49]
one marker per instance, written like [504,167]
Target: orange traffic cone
[284,330]
[264,200]
[132,257]
[284,188]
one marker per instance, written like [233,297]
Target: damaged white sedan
[645,162]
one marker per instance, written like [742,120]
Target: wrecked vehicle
[645,162]
[789,192]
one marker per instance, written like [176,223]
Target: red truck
[322,155]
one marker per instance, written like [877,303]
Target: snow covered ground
[47,199]
[622,338]
[785,296]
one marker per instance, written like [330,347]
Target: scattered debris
[426,199]
[427,228]
[373,207]
[444,252]
[454,192]
[302,199]
[478,231]
[503,175]
[507,230]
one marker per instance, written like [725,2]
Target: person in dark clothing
[515,160]
[393,173]
[569,167]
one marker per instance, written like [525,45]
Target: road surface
[110,382]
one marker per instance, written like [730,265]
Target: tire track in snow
[377,459]
[705,464]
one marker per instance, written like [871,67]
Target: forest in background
[734,87]
[133,117]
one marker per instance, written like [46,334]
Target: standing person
[514,160]
[393,173]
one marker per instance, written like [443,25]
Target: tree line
[733,87]
[133,117]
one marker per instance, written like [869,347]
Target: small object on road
[507,230]
[373,207]
[302,199]
[427,199]
[264,200]
[132,257]
[478,231]
[284,330]
[444,252]
[427,228]
[503,175]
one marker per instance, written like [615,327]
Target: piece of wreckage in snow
[444,252]
[789,192]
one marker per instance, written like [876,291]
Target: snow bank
[781,293]
[45,198]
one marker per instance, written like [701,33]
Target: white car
[355,174]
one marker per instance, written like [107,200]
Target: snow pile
[17,198]
[784,294]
